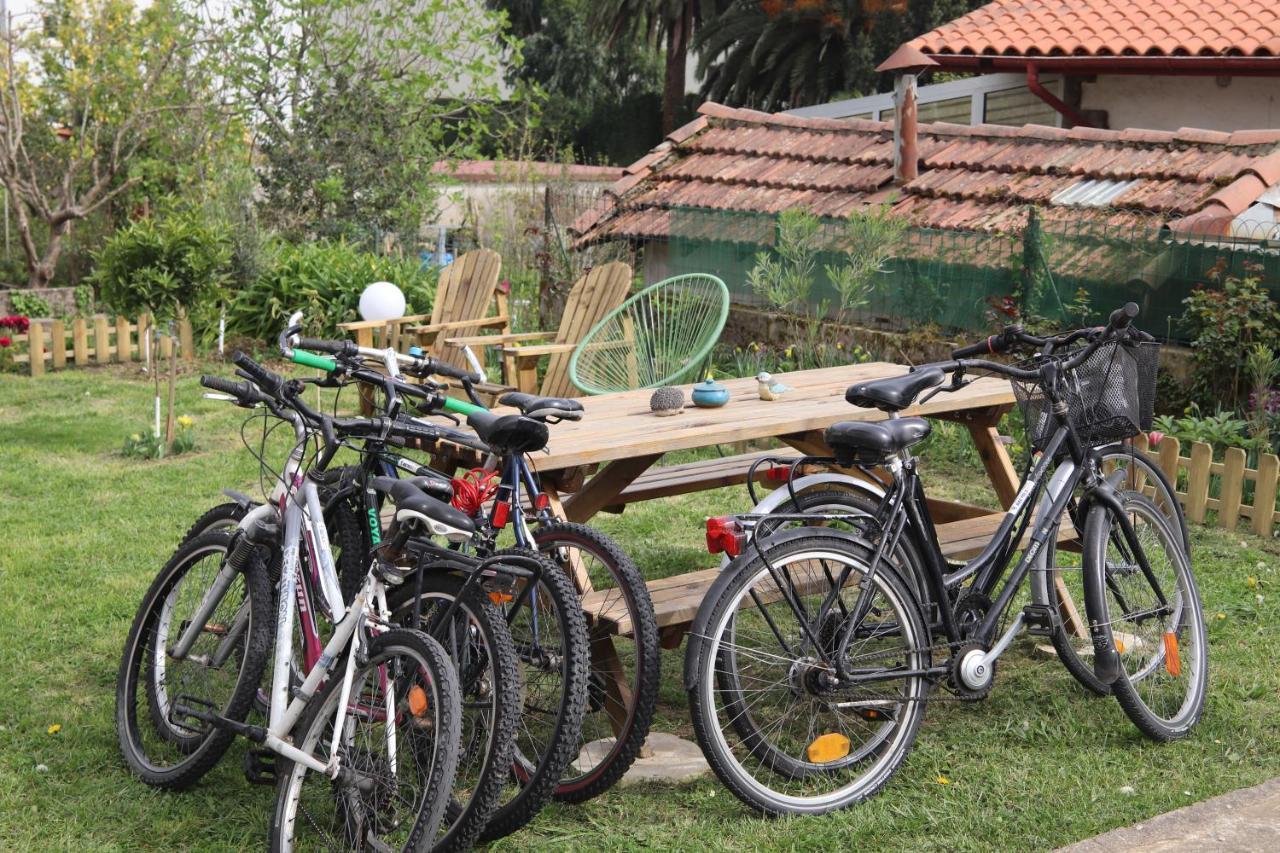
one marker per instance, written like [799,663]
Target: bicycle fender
[1106,662]
[240,497]
[781,495]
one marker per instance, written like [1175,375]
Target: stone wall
[61,299]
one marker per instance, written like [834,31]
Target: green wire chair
[660,336]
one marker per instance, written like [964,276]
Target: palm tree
[782,54]
[672,23]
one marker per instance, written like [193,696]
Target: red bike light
[725,536]
[777,473]
[501,512]
[541,502]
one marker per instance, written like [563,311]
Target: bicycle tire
[707,652]
[224,516]
[490,690]
[428,666]
[589,778]
[1119,593]
[145,668]
[1076,651]
[538,766]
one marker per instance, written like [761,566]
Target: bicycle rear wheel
[774,725]
[1154,622]
[161,740]
[398,746]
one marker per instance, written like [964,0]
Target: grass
[1037,765]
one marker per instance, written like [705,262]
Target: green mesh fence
[966,280]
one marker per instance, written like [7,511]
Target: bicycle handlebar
[246,393]
[270,382]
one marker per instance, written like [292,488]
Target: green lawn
[1037,765]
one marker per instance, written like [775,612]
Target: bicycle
[383,737]
[811,658]
[622,688]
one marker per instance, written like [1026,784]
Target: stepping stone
[665,758]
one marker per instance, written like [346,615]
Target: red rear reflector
[501,512]
[725,536]
[777,473]
[541,502]
[1172,659]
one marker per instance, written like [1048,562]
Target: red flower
[1155,437]
[4,342]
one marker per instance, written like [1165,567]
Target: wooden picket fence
[1229,476]
[56,344]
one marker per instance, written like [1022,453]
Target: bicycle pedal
[1039,620]
[260,766]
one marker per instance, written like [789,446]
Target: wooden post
[35,348]
[1198,481]
[80,340]
[1232,488]
[166,347]
[173,390]
[1170,447]
[101,340]
[1264,496]
[124,347]
[186,338]
[58,344]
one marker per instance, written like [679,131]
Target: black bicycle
[812,656]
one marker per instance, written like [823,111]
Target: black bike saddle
[532,406]
[507,434]
[896,393]
[412,503]
[868,443]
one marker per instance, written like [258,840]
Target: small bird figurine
[770,390]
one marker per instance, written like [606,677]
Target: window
[1018,107]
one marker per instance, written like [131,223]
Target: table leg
[981,424]
[604,488]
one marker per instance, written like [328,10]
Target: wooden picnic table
[608,459]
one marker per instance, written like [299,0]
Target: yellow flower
[943,780]
[136,437]
[790,352]
[754,347]
[55,728]
[186,421]
[1252,582]
[1222,616]
[839,345]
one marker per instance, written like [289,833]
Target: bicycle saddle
[896,393]
[543,407]
[509,433]
[414,504]
[865,443]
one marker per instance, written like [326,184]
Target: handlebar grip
[242,391]
[266,379]
[332,347]
[991,345]
[452,372]
[1122,317]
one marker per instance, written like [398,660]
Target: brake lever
[957,382]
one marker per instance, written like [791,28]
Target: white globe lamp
[381,301]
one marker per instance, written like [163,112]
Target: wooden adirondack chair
[466,289]
[593,296]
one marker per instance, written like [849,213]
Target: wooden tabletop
[620,426]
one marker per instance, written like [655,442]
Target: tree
[590,96]
[672,23]
[351,103]
[782,54]
[164,268]
[84,91]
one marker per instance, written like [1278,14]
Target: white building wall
[1168,103]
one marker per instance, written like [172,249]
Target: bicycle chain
[934,681]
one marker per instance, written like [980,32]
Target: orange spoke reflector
[500,598]
[829,747]
[1120,645]
[417,701]
[1172,661]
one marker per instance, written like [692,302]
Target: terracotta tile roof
[1111,28]
[979,178]
[500,171]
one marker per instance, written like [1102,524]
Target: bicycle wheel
[224,516]
[1154,622]
[1059,583]
[397,753]
[161,741]
[775,728]
[478,641]
[623,681]
[550,634]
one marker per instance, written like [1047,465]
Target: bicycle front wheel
[397,752]
[775,723]
[1152,619]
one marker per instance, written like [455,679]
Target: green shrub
[28,304]
[1225,324]
[324,281]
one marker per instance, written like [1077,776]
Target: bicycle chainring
[970,609]
[957,685]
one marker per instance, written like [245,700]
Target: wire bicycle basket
[1111,396]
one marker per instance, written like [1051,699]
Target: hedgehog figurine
[667,401]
